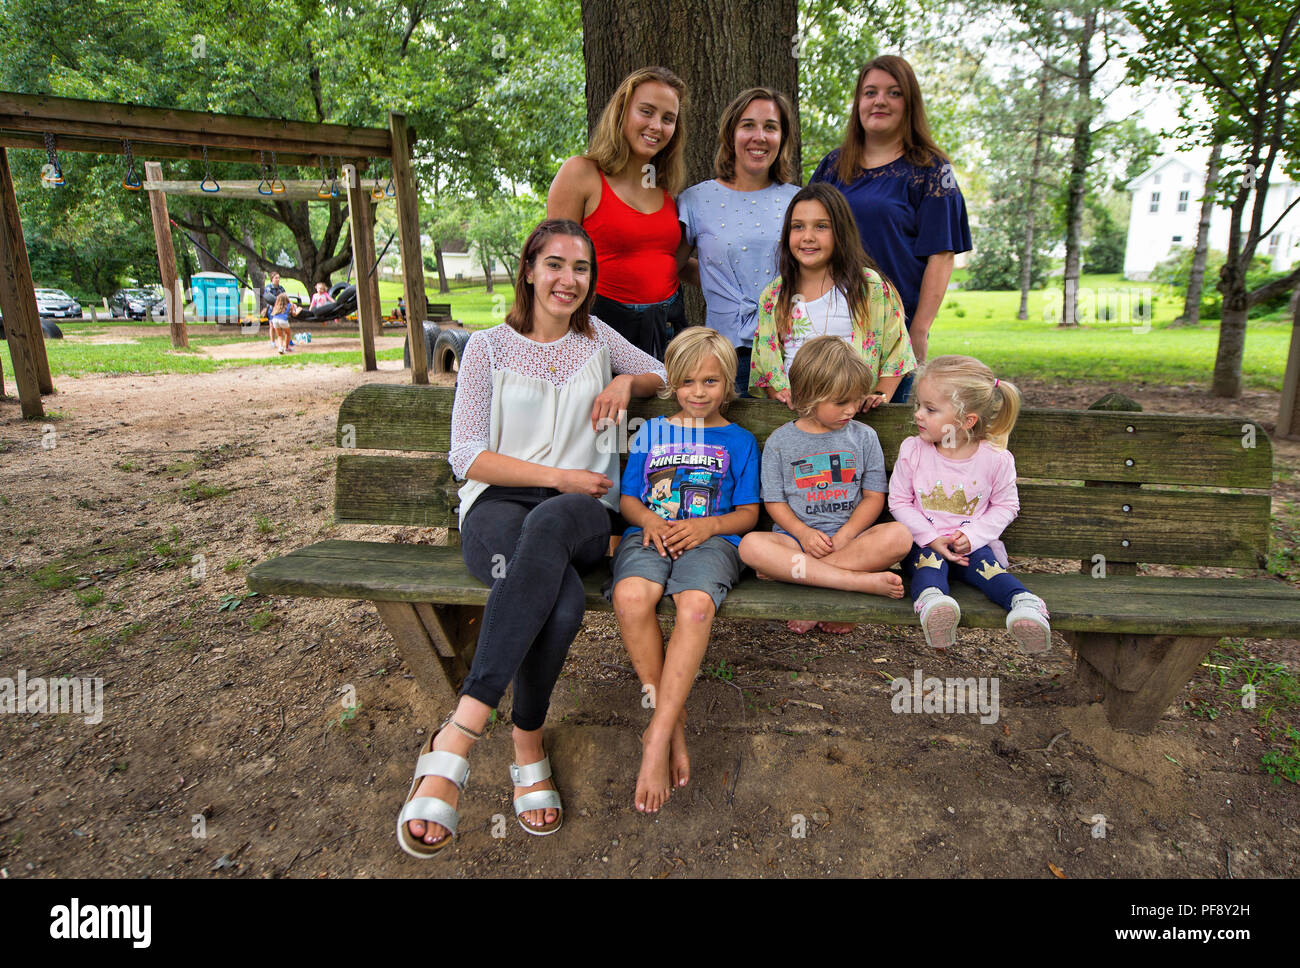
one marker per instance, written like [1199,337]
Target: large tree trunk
[717,47]
[442,270]
[255,274]
[1027,253]
[1081,159]
[1232,331]
[486,262]
[1196,281]
[1288,420]
[199,237]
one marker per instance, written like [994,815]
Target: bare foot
[802,628]
[653,784]
[679,762]
[528,749]
[884,583]
[452,741]
[837,628]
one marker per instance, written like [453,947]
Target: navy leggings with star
[1000,586]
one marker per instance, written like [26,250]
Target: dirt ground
[225,751]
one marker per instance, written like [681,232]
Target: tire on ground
[50,330]
[431,332]
[447,350]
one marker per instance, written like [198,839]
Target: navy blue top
[905,214]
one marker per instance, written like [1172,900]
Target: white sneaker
[940,614]
[1028,623]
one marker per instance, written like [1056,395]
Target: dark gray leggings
[529,544]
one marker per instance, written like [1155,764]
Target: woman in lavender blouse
[732,223]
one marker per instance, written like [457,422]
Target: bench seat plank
[374,571]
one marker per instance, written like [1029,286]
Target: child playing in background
[279,318]
[689,490]
[824,486]
[954,486]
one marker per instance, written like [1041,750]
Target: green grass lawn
[981,324]
[984,324]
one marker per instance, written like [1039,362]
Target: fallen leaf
[1057,871]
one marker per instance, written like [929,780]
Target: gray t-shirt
[822,476]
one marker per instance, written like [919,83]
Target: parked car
[134,303]
[56,302]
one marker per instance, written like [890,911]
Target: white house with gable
[1167,207]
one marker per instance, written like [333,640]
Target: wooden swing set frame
[106,128]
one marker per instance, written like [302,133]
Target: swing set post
[162,236]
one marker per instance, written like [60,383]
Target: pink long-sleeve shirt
[935,496]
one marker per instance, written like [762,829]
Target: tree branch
[1274,288]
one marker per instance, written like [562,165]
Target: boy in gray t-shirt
[821,476]
[824,485]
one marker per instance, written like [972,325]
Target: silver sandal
[522,776]
[443,764]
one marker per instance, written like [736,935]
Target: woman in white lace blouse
[535,511]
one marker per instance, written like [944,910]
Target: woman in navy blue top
[902,191]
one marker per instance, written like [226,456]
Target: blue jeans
[999,587]
[744,354]
[903,390]
[529,544]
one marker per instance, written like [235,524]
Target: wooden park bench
[1104,489]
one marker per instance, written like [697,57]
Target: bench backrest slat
[1056,451]
[1054,444]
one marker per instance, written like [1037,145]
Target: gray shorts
[712,567]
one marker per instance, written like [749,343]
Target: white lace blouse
[531,400]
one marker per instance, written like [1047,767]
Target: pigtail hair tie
[995,381]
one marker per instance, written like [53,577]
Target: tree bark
[486,262]
[255,274]
[1288,419]
[717,47]
[1232,331]
[1196,281]
[442,270]
[1027,256]
[1081,159]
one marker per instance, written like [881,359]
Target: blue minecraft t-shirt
[691,472]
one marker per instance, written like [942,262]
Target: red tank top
[636,254]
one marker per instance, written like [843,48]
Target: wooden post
[408,230]
[363,257]
[1288,417]
[162,236]
[18,299]
[1115,402]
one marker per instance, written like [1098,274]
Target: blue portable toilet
[216,296]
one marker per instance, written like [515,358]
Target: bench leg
[436,641]
[1137,676]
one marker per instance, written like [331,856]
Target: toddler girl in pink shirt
[954,486]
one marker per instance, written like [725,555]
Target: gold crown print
[991,569]
[929,561]
[956,503]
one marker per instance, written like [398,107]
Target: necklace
[826,318]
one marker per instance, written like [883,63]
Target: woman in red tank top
[621,191]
